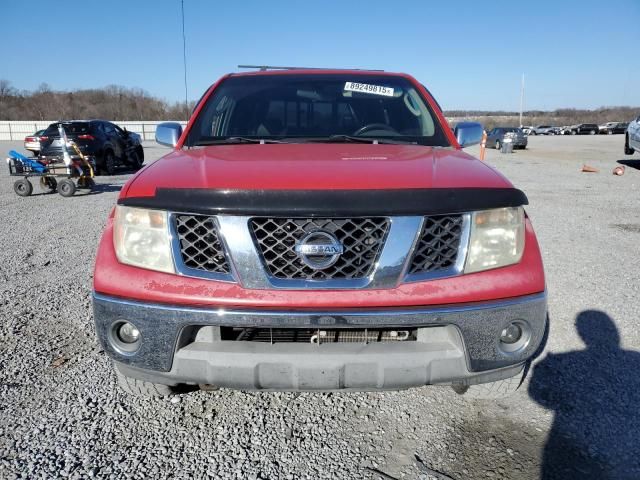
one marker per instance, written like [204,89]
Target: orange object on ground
[588,169]
[619,171]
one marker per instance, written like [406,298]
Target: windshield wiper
[355,139]
[235,140]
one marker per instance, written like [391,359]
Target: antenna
[184,59]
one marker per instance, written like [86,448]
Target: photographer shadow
[595,394]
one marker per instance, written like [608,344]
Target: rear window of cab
[309,106]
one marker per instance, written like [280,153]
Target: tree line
[116,102]
[113,102]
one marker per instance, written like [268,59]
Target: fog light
[511,334]
[128,333]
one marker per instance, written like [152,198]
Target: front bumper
[455,344]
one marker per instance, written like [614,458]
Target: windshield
[310,107]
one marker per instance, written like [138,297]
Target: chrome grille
[200,245]
[437,247]
[362,239]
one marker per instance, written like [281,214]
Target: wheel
[574,132]
[141,388]
[609,132]
[48,184]
[23,187]
[627,149]
[492,390]
[533,132]
[66,187]
[592,132]
[109,163]
[498,145]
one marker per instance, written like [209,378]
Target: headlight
[141,238]
[496,239]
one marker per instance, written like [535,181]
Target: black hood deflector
[329,203]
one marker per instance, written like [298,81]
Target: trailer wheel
[23,187]
[66,187]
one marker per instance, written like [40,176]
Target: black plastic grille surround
[362,239]
[437,247]
[200,245]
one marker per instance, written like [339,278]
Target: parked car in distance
[584,129]
[542,130]
[611,128]
[526,129]
[357,246]
[496,137]
[632,137]
[109,145]
[32,142]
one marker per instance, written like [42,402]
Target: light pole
[521,99]
[184,59]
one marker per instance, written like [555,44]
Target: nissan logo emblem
[319,249]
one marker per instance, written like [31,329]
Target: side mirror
[168,133]
[468,133]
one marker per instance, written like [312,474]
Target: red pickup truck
[319,230]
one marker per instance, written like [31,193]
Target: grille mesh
[437,247]
[362,239]
[200,244]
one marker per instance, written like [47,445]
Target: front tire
[66,188]
[23,187]
[141,388]
[498,145]
[592,132]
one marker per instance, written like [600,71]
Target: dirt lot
[577,416]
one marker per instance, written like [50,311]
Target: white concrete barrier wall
[17,130]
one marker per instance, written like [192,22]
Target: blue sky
[471,55]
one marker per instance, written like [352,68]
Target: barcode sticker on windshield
[366,88]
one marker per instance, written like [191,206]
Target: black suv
[585,129]
[109,145]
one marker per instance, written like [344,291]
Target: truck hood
[314,167]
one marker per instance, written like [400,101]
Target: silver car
[632,137]
[543,130]
[500,135]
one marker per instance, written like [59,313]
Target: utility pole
[184,59]
[521,99]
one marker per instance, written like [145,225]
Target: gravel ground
[62,415]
